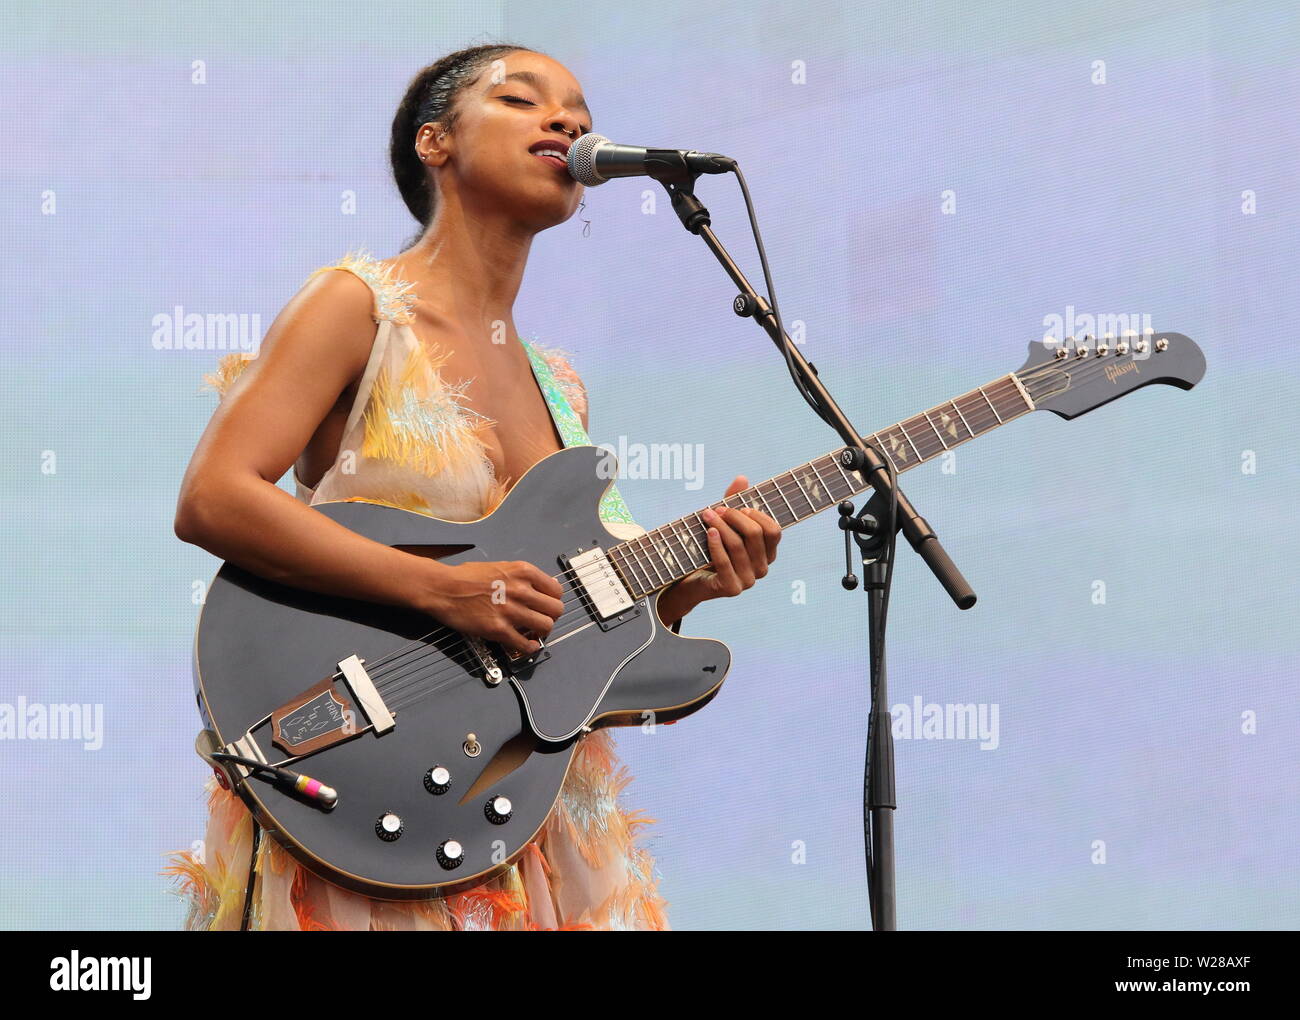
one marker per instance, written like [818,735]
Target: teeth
[550,152]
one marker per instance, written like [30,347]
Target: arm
[231,506]
[229,502]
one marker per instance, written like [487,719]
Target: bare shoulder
[331,316]
[320,341]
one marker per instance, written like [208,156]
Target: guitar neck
[658,558]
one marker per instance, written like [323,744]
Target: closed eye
[582,128]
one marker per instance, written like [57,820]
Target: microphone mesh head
[582,160]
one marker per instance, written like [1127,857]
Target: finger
[512,641]
[736,552]
[541,580]
[751,532]
[738,483]
[537,624]
[528,596]
[725,579]
[771,532]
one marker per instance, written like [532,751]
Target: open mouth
[553,152]
[553,160]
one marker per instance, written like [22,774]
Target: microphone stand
[671,170]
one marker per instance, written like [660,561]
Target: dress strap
[394,305]
[394,297]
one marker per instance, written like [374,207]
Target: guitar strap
[569,425]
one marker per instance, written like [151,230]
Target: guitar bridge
[487,663]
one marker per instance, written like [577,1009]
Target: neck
[469,264]
[658,558]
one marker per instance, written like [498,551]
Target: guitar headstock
[1074,376]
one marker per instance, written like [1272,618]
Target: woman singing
[404,381]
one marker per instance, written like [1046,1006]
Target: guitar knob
[388,827]
[437,780]
[498,810]
[450,854]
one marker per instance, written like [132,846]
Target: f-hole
[435,552]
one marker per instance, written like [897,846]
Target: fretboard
[660,557]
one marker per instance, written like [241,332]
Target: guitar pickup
[595,577]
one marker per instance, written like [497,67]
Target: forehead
[541,73]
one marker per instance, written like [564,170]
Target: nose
[566,124]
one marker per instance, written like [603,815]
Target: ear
[429,142]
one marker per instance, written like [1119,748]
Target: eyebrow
[536,80]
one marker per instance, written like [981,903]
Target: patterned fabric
[612,507]
[411,441]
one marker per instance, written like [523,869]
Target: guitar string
[391,680]
[467,656]
[571,577]
[428,690]
[391,676]
[417,678]
[399,679]
[785,490]
[395,674]
[386,679]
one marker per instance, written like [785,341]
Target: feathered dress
[410,440]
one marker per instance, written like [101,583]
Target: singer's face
[517,100]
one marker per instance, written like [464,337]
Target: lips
[552,151]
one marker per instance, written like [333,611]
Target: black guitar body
[262,646]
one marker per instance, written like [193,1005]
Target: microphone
[594,159]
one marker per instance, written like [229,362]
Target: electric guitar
[434,757]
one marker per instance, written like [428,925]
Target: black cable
[776,310]
[284,775]
[252,877]
[313,792]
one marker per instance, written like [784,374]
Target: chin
[545,211]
